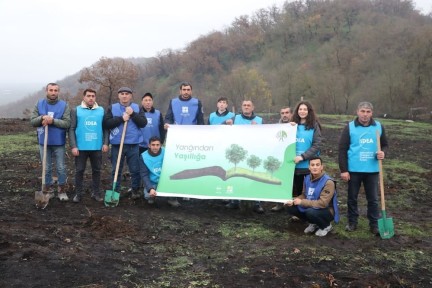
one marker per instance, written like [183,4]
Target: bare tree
[109,74]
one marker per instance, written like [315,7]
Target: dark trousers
[131,153]
[370,184]
[320,217]
[80,166]
[298,184]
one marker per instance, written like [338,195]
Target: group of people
[92,129]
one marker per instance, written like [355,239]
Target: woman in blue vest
[318,202]
[308,141]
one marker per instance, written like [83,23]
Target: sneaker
[232,205]
[151,201]
[324,232]
[186,199]
[63,197]
[277,208]
[311,228]
[258,209]
[294,219]
[375,231]
[350,227]
[76,199]
[97,198]
[174,203]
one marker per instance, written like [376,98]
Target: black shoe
[258,209]
[76,199]
[97,198]
[375,231]
[351,227]
[232,205]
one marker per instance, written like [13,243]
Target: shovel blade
[41,200]
[111,198]
[386,227]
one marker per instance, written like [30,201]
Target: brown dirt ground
[137,245]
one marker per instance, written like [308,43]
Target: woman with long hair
[308,141]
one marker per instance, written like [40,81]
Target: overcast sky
[47,40]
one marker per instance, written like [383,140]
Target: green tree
[235,154]
[253,161]
[271,164]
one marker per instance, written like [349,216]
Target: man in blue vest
[151,167]
[88,140]
[358,163]
[55,114]
[247,117]
[318,202]
[115,117]
[221,114]
[155,123]
[184,110]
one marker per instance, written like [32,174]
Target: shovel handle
[44,157]
[381,177]
[119,156]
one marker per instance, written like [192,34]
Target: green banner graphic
[246,162]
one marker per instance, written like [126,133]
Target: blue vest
[56,135]
[154,164]
[89,132]
[132,132]
[215,119]
[313,191]
[185,112]
[363,148]
[239,120]
[151,129]
[304,139]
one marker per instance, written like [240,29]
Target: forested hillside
[333,53]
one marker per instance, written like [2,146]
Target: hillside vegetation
[333,53]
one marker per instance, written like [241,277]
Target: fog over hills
[12,92]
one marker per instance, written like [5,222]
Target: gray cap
[125,89]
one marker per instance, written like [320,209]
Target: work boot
[61,193]
[48,190]
[136,194]
[277,208]
[76,198]
[350,227]
[97,197]
[258,209]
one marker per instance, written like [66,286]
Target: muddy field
[202,244]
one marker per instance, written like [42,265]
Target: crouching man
[318,202]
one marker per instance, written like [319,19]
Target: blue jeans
[320,217]
[370,184]
[59,153]
[131,152]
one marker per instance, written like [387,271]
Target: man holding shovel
[359,163]
[88,140]
[115,118]
[55,114]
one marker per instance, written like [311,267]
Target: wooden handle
[381,177]
[120,151]
[44,157]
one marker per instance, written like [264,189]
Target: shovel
[385,225]
[111,196]
[41,198]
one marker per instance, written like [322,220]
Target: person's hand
[47,120]
[289,203]
[166,126]
[105,148]
[345,176]
[297,201]
[253,122]
[380,155]
[129,110]
[293,123]
[75,152]
[126,116]
[298,159]
[229,122]
[152,193]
